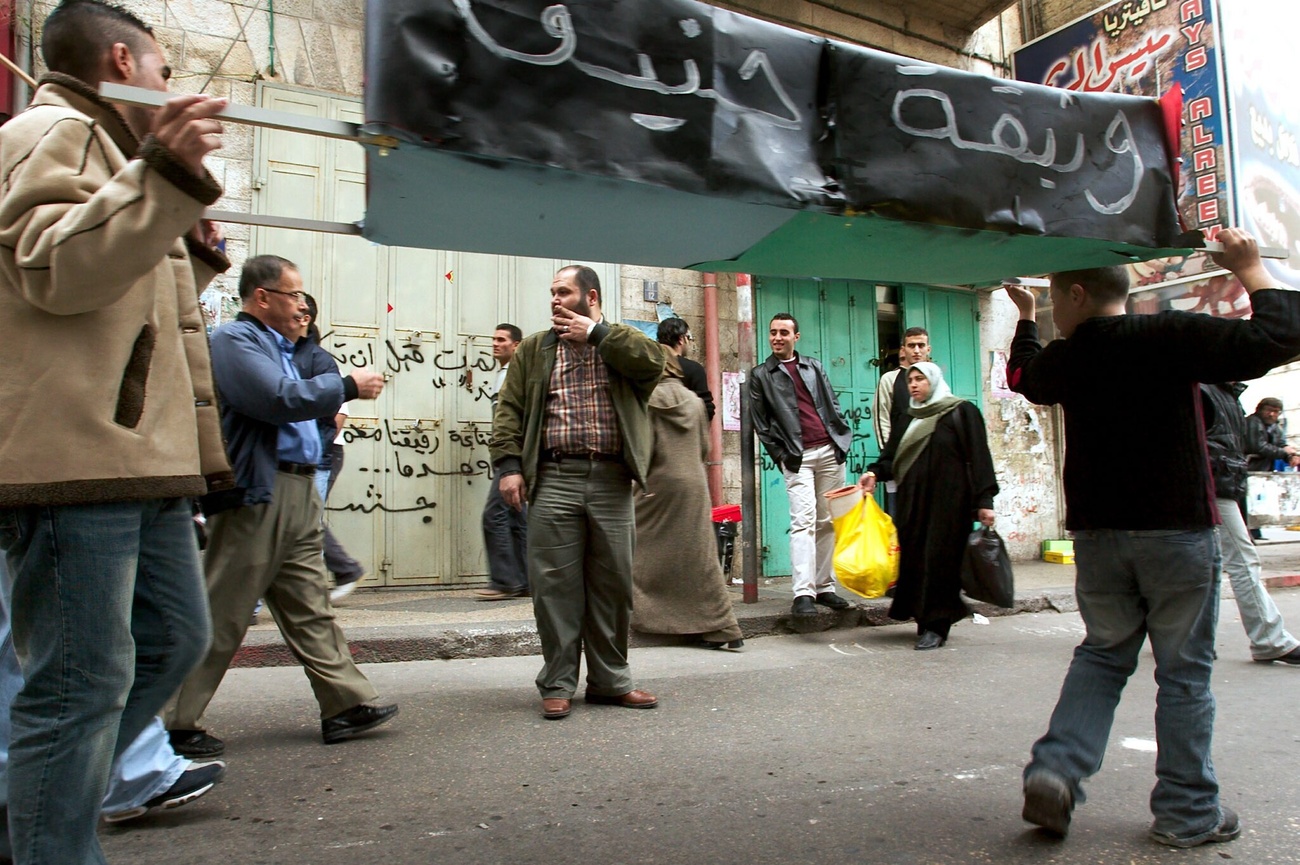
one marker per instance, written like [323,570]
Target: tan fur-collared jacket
[106,387]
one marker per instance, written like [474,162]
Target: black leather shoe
[354,722]
[929,640]
[832,600]
[1049,801]
[803,606]
[733,645]
[195,744]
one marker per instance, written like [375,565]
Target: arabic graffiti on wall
[1143,47]
[408,456]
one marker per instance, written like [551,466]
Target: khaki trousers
[581,529]
[272,551]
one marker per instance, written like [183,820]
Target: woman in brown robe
[677,583]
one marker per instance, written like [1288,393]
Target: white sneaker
[342,590]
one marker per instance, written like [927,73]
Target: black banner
[668,92]
[687,97]
[927,143]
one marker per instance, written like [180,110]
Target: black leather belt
[304,469]
[551,455]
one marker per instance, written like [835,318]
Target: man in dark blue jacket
[265,537]
[1144,523]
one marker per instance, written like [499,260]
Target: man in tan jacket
[111,419]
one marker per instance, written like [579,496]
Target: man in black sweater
[1143,522]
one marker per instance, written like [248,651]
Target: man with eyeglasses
[675,335]
[265,536]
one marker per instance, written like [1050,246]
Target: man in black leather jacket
[798,419]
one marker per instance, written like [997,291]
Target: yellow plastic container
[1058,557]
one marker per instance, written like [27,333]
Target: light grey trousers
[1260,617]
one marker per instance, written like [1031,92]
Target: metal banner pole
[748,480]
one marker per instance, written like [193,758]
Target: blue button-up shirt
[297,442]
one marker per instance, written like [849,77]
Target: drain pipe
[713,371]
[748,480]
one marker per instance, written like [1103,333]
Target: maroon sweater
[812,430]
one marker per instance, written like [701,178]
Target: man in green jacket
[570,435]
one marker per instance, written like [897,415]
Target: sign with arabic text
[1144,47]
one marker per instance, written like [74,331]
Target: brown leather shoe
[630,700]
[496,595]
[555,708]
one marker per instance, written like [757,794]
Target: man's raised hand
[1023,298]
[185,126]
[369,383]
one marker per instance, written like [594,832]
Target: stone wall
[224,48]
[1023,439]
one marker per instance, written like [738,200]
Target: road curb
[377,645]
[1282,582]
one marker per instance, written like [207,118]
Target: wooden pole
[18,70]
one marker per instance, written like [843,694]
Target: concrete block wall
[223,48]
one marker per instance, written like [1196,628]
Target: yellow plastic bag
[866,550]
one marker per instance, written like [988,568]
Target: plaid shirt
[580,415]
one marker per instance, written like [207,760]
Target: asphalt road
[836,747]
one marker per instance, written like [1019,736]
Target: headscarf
[925,417]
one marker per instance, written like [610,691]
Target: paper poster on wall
[731,382]
[649,328]
[998,376]
[1260,65]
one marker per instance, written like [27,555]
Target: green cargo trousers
[581,531]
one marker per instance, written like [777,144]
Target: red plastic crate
[726,513]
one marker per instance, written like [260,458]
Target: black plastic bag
[986,569]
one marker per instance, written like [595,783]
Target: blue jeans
[109,614]
[505,537]
[1131,586]
[145,769]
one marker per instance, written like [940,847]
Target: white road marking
[1138,744]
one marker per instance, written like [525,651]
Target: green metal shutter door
[950,317]
[837,324]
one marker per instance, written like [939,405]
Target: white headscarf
[925,416]
[938,387]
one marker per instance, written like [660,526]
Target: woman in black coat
[944,471]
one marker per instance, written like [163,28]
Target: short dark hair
[672,331]
[262,271]
[1103,284]
[785,316]
[586,278]
[916,331]
[313,332]
[79,33]
[1269,402]
[515,333]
